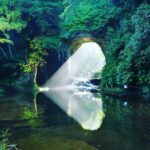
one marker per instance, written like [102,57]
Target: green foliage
[3,40]
[42,41]
[125,27]
[10,19]
[39,47]
[87,15]
[128,50]
[28,32]
[28,114]
[108,75]
[113,70]
[5,142]
[31,117]
[35,58]
[145,90]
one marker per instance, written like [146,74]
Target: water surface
[126,125]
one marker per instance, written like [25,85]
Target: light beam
[70,90]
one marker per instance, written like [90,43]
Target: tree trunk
[10,51]
[4,53]
[33,76]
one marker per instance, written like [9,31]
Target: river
[37,123]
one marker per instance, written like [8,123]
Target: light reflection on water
[39,124]
[70,88]
[84,107]
[125,127]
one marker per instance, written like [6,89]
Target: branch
[10,51]
[4,53]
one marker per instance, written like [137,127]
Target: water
[83,106]
[81,66]
[125,127]
[70,88]
[72,117]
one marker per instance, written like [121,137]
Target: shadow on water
[38,123]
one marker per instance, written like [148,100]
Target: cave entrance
[94,46]
[76,43]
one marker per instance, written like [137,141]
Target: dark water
[126,125]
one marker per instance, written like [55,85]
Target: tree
[128,46]
[86,15]
[43,37]
[29,29]
[10,21]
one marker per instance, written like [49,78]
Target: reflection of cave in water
[70,88]
[84,107]
[88,108]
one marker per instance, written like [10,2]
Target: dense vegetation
[124,27]
[29,30]
[128,49]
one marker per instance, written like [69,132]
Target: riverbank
[134,94]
